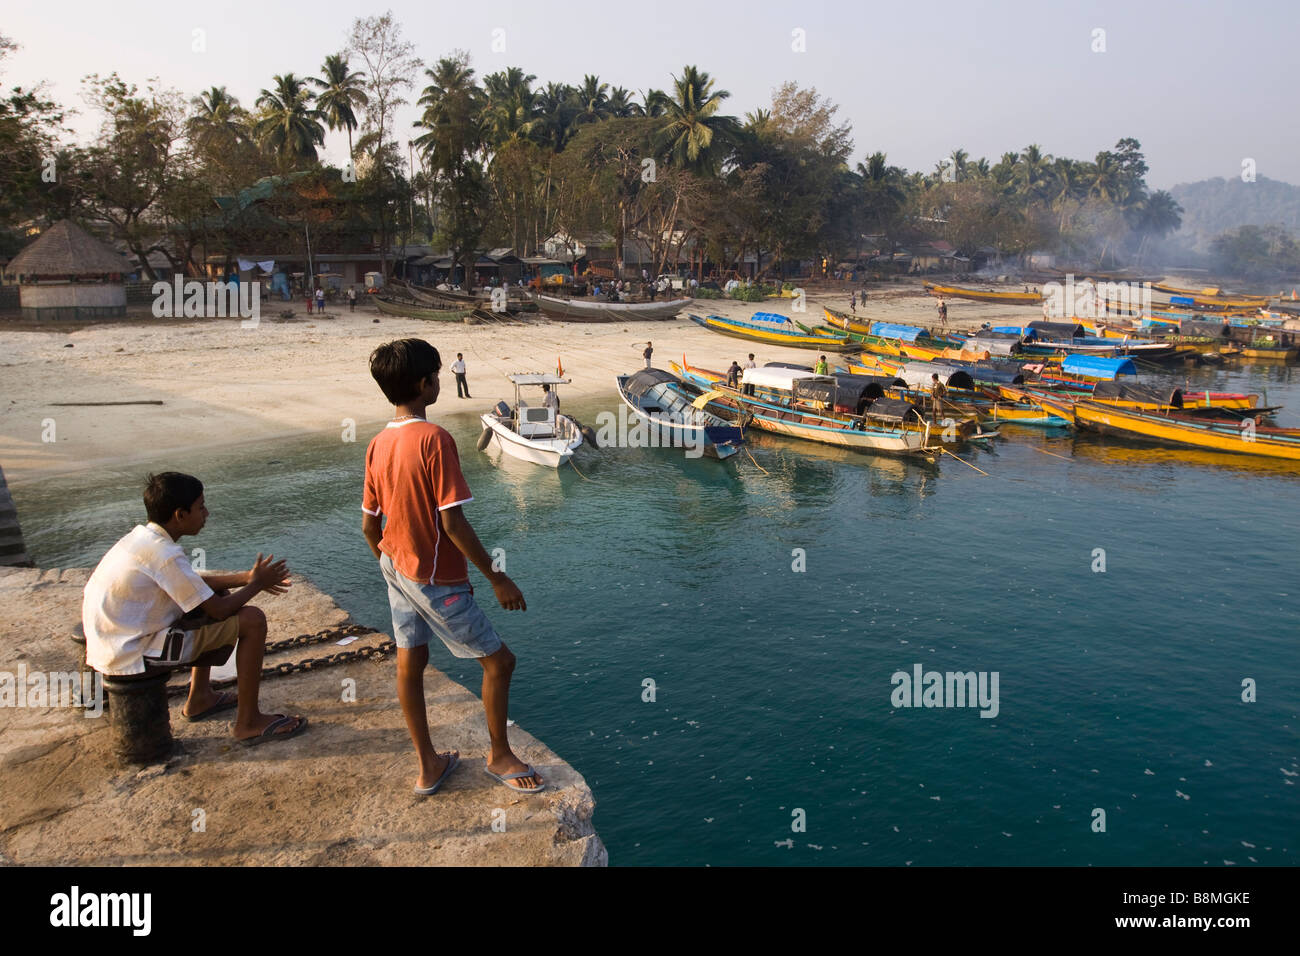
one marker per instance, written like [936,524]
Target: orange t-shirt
[413,473]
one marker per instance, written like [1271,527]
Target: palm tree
[621,105]
[694,135]
[511,108]
[453,105]
[1103,178]
[593,102]
[218,121]
[1158,215]
[340,95]
[654,102]
[289,127]
[1032,172]
[557,109]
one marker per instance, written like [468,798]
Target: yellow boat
[1180,432]
[1212,296]
[984,295]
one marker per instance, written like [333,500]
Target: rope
[1052,453]
[756,464]
[965,462]
[575,468]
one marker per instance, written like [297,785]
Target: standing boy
[413,479]
[136,611]
[649,351]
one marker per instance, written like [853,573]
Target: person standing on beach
[320,300]
[821,368]
[413,480]
[943,312]
[458,369]
[853,302]
[352,298]
[649,351]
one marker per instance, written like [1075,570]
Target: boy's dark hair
[399,367]
[169,492]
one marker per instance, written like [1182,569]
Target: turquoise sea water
[1119,690]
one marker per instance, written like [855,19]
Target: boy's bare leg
[249,650]
[202,696]
[411,662]
[497,669]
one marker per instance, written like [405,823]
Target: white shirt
[139,589]
[751,364]
[552,400]
[458,368]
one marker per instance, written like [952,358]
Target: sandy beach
[219,384]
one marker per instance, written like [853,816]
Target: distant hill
[1214,206]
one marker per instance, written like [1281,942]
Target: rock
[338,794]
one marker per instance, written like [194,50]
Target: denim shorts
[421,611]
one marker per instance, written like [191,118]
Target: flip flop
[452,763]
[269,731]
[504,778]
[225,701]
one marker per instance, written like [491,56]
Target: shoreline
[220,386]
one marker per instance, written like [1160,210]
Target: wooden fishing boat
[794,403]
[666,406]
[410,309]
[1213,297]
[600,310]
[775,330]
[1246,440]
[536,433]
[984,295]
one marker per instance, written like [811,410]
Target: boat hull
[575,310]
[550,453]
[1165,431]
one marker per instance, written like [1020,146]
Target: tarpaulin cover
[1214,330]
[1139,393]
[1002,374]
[892,410]
[888,330]
[1094,366]
[1057,330]
[646,379]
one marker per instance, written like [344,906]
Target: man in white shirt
[138,611]
[552,400]
[458,369]
[749,388]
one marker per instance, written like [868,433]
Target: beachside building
[68,274]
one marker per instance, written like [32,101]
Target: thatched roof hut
[68,274]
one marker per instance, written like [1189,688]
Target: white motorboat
[532,431]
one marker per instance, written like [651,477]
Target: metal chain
[312,663]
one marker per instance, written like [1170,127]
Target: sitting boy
[413,479]
[136,611]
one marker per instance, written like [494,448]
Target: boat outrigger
[536,433]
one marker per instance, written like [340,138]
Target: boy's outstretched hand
[270,577]
[508,594]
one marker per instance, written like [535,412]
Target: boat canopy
[851,393]
[797,368]
[769,317]
[917,375]
[1011,374]
[641,382]
[537,378]
[892,410]
[783,378]
[1213,330]
[888,330]
[1015,330]
[1132,392]
[1053,330]
[1094,366]
[993,344]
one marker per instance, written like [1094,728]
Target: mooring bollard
[141,721]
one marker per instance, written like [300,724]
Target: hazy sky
[1202,85]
